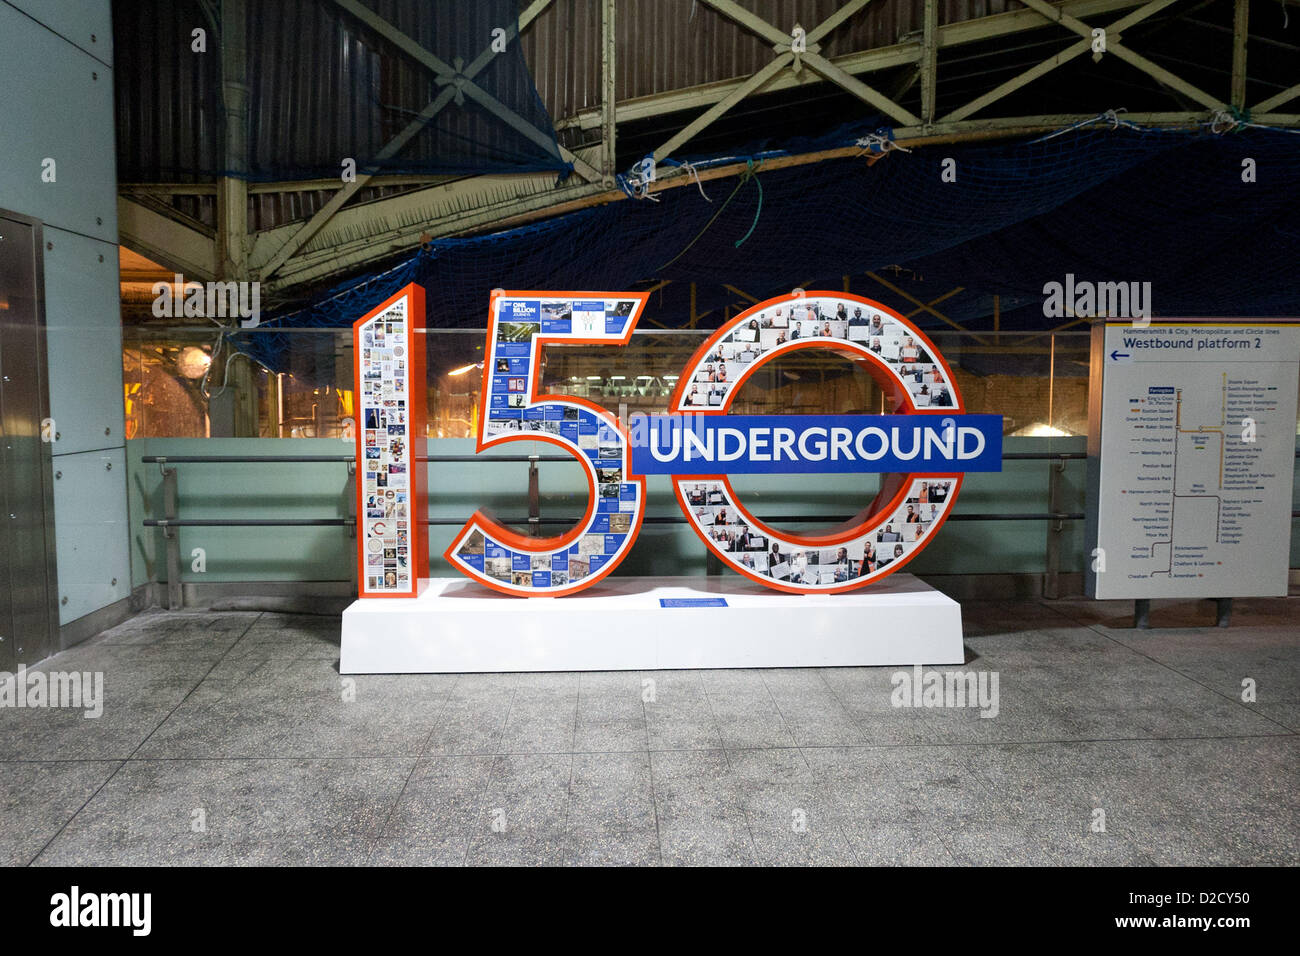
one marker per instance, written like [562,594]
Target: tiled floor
[230,738]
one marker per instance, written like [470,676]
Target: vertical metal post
[175,592]
[929,60]
[534,498]
[278,378]
[29,596]
[232,191]
[608,74]
[1055,528]
[1142,614]
[712,563]
[350,492]
[1223,611]
[225,419]
[1240,31]
[1051,383]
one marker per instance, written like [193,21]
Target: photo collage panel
[852,323]
[750,548]
[386,492]
[591,436]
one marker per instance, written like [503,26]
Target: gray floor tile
[523,820]
[616,691]
[601,848]
[538,730]
[811,710]
[436,818]
[807,766]
[293,636]
[861,691]
[38,798]
[700,811]
[543,715]
[793,824]
[611,793]
[901,727]
[703,764]
[800,690]
[768,730]
[678,730]
[610,735]
[679,715]
[1188,840]
[885,842]
[263,812]
[139,691]
[783,765]
[1040,844]
[1285,714]
[194,632]
[610,714]
[302,708]
[474,715]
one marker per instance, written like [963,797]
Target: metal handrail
[172,522]
[447,459]
[246,522]
[341,459]
[522,521]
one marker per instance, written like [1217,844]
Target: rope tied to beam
[749,173]
[1110,117]
[1234,120]
[690,171]
[1231,120]
[636,183]
[881,141]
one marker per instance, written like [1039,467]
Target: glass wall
[179,385]
[182,385]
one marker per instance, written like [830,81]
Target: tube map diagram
[1193,486]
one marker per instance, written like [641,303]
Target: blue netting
[1105,203]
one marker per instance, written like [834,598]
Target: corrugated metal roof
[323,88]
[674,44]
[168,97]
[331,89]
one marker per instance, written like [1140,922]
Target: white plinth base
[457,626]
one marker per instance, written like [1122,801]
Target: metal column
[171,511]
[29,610]
[1055,530]
[608,90]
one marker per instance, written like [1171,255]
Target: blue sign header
[689,444]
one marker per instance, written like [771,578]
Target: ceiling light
[193,362]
